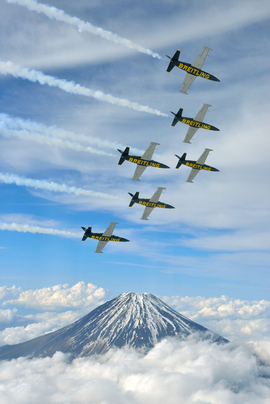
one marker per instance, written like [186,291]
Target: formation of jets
[192,70]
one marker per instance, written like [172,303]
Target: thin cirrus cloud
[82,26]
[71,87]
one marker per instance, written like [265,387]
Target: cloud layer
[172,372]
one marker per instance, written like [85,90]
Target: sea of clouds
[186,372]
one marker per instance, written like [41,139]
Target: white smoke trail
[26,228]
[28,128]
[51,186]
[49,141]
[71,87]
[60,15]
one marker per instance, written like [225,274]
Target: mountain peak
[138,320]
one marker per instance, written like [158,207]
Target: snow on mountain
[131,319]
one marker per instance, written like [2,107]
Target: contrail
[71,87]
[26,228]
[33,130]
[50,186]
[49,141]
[60,15]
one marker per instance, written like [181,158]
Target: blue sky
[216,240]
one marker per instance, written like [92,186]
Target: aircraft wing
[138,172]
[188,80]
[190,133]
[146,213]
[199,61]
[147,155]
[203,157]
[109,231]
[100,246]
[201,114]
[192,175]
[156,196]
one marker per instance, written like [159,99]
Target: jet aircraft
[193,70]
[142,162]
[196,166]
[149,204]
[195,123]
[102,237]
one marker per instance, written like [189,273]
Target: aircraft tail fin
[177,116]
[134,197]
[179,113]
[123,153]
[173,61]
[89,231]
[181,160]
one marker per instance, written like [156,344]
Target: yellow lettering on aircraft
[195,72]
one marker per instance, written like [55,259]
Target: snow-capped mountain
[131,319]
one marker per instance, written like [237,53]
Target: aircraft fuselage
[196,166]
[99,236]
[142,162]
[196,124]
[159,204]
[187,67]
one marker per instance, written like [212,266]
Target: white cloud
[172,372]
[52,304]
[7,292]
[59,296]
[7,316]
[229,317]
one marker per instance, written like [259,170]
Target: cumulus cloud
[189,371]
[60,296]
[58,306]
[7,292]
[232,318]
